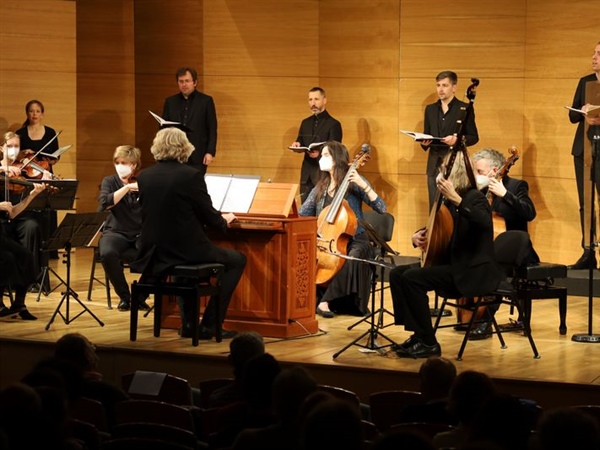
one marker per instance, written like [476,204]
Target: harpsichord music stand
[76,230]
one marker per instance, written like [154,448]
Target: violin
[16,185]
[34,168]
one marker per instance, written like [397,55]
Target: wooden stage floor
[568,372]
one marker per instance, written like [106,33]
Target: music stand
[373,330]
[59,195]
[76,230]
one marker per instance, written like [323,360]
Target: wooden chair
[387,407]
[155,431]
[90,411]
[174,390]
[193,282]
[427,429]
[135,411]
[342,394]
[207,387]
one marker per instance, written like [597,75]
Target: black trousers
[409,286]
[16,269]
[112,247]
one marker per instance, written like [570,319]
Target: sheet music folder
[60,195]
[76,230]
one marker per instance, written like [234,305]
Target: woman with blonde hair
[121,230]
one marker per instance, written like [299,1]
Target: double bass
[440,224]
[336,225]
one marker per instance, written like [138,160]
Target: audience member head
[171,144]
[78,350]
[507,410]
[567,429]
[332,423]
[258,378]
[436,376]
[290,388]
[243,347]
[21,416]
[469,391]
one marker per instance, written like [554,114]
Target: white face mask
[11,152]
[326,163]
[123,170]
[482,181]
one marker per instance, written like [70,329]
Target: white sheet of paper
[146,383]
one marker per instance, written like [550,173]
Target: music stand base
[588,338]
[436,312]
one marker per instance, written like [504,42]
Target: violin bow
[42,149]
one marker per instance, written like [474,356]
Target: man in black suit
[175,208]
[588,258]
[511,202]
[196,113]
[319,127]
[468,268]
[441,120]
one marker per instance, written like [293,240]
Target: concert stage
[568,372]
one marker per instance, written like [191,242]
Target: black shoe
[124,305]
[325,314]
[143,306]
[185,331]
[481,331]
[26,315]
[420,350]
[206,334]
[5,312]
[585,261]
[513,325]
[461,327]
[407,343]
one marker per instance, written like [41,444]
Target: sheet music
[232,193]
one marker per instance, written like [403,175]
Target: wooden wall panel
[105,91]
[472,37]
[359,39]
[261,38]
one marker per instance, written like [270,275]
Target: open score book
[231,193]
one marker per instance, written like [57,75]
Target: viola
[440,224]
[336,225]
[16,185]
[34,168]
[497,220]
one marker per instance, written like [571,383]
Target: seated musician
[120,233]
[467,269]
[349,289]
[16,262]
[513,205]
[26,228]
[175,208]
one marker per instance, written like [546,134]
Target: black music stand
[59,195]
[373,331]
[76,230]
[590,337]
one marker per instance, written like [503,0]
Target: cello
[440,224]
[336,225]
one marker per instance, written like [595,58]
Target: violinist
[440,121]
[468,268]
[25,228]
[16,262]
[512,203]
[348,290]
[121,231]
[35,135]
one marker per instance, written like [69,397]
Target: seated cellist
[348,290]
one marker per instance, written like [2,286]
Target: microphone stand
[590,337]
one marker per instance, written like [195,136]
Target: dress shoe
[420,350]
[585,261]
[325,314]
[124,305]
[407,343]
[481,331]
[461,327]
[143,306]
[513,325]
[206,334]
[26,315]
[5,312]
